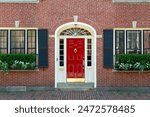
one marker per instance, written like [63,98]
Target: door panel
[75,58]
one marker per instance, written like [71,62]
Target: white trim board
[131,1]
[19,1]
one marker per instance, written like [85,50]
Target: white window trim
[130,1]
[19,1]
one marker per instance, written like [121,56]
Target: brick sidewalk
[76,95]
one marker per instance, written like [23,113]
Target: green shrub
[3,66]
[17,61]
[132,62]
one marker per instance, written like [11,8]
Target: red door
[75,58]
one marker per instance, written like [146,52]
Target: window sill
[22,70]
[131,71]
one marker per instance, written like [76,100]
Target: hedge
[133,58]
[132,62]
[11,58]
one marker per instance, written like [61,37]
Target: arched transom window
[75,32]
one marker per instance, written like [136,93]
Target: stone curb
[50,88]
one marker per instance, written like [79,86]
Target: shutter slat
[43,48]
[108,49]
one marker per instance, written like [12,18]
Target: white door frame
[57,36]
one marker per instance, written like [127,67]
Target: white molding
[85,58]
[131,1]
[131,28]
[8,41]
[19,1]
[18,28]
[114,45]
[99,36]
[65,57]
[51,36]
[37,39]
[26,43]
[75,36]
[142,41]
[125,41]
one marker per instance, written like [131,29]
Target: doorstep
[75,86]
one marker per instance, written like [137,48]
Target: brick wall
[101,14]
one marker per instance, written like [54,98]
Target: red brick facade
[50,14]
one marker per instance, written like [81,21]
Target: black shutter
[108,48]
[43,48]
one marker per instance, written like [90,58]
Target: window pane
[17,50]
[3,41]
[134,42]
[61,63]
[61,57]
[31,35]
[89,53]
[3,51]
[89,58]
[89,47]
[17,41]
[61,46]
[89,63]
[61,52]
[147,42]
[61,41]
[31,51]
[119,49]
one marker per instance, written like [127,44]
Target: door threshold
[75,79]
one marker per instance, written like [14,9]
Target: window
[128,42]
[119,49]
[3,41]
[17,41]
[89,52]
[61,52]
[134,42]
[31,35]
[146,42]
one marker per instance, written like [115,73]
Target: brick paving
[75,95]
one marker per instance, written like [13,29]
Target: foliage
[23,65]
[3,66]
[17,61]
[132,62]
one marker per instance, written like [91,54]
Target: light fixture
[134,24]
[17,22]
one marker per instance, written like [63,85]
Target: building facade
[75,41]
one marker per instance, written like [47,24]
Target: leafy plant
[17,61]
[132,62]
[23,65]
[10,58]
[3,66]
